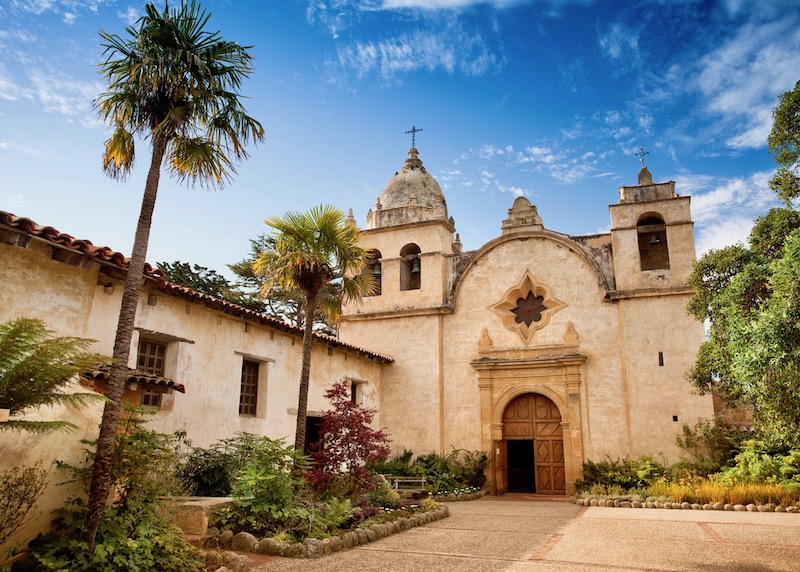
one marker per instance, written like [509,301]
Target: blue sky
[546,98]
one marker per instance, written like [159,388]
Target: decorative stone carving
[522,215]
[571,338]
[527,307]
[485,343]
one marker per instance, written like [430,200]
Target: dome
[415,192]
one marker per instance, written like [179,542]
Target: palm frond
[39,427]
[120,153]
[200,160]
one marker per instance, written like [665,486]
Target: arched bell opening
[410,267]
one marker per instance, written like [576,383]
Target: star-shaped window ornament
[527,307]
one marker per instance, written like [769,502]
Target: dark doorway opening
[313,434]
[521,466]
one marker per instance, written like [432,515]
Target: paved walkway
[520,533]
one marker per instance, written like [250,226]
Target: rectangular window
[661,359]
[151,397]
[248,398]
[151,357]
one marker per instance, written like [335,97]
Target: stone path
[521,533]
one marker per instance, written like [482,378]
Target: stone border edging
[314,548]
[769,507]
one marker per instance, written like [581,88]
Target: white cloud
[61,94]
[70,17]
[130,16]
[767,51]
[12,201]
[725,232]
[749,197]
[452,50]
[620,45]
[19,147]
[10,90]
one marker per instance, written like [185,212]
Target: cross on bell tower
[641,153]
[414,132]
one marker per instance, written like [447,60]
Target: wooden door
[536,417]
[501,467]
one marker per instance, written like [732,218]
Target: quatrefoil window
[527,307]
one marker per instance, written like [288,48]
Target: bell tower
[412,245]
[652,236]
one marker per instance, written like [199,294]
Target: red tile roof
[103,373]
[106,256]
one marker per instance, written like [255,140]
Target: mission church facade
[542,349]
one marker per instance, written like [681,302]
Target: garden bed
[316,548]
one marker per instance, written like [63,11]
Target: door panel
[501,466]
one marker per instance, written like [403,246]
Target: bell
[415,268]
[376,270]
[654,239]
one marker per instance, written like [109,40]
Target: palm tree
[308,252]
[35,366]
[177,84]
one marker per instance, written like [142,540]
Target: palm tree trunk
[305,372]
[104,455]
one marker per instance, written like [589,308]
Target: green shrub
[132,535]
[211,472]
[756,464]
[628,474]
[712,443]
[398,465]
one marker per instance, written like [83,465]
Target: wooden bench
[405,483]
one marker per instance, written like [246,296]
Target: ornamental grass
[708,492]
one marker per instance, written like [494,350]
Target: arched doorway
[534,444]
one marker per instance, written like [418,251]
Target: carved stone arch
[561,239]
[508,396]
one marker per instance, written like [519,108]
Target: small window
[355,392]
[653,248]
[248,398]
[151,396]
[151,356]
[410,267]
[150,359]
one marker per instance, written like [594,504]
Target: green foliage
[755,463]
[35,368]
[458,469]
[211,472]
[269,492]
[712,443]
[20,488]
[281,303]
[175,82]
[628,474]
[752,299]
[784,144]
[132,535]
[209,282]
[398,464]
[383,495]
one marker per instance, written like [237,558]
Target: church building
[540,348]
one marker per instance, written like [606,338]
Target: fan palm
[35,366]
[308,252]
[177,84]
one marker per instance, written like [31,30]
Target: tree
[209,282]
[177,84]
[784,144]
[309,251]
[285,305]
[346,444]
[35,367]
[751,296]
